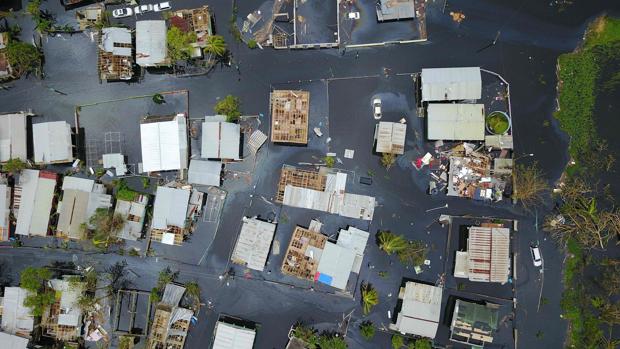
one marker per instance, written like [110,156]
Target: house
[455,122]
[170,212]
[63,319]
[197,20]
[164,143]
[233,336]
[52,142]
[16,318]
[151,44]
[289,116]
[253,243]
[473,324]
[420,310]
[6,72]
[487,258]
[90,16]
[133,212]
[220,139]
[390,137]
[5,210]
[171,322]
[115,54]
[394,10]
[115,161]
[81,199]
[13,136]
[10,341]
[290,175]
[32,202]
[303,253]
[451,84]
[204,172]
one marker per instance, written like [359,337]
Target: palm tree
[332,342]
[370,297]
[367,330]
[216,45]
[193,291]
[397,341]
[390,243]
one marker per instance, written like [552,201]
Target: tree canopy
[23,57]
[228,106]
[179,43]
[216,45]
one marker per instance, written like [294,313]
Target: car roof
[536,252]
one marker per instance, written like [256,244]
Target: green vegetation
[124,193]
[216,45]
[106,225]
[158,98]
[179,44]
[165,277]
[252,44]
[414,254]
[421,344]
[228,106]
[388,160]
[330,161]
[327,341]
[192,290]
[498,123]
[370,297]
[23,57]
[14,165]
[39,296]
[125,342]
[312,340]
[367,329]
[397,341]
[391,243]
[409,252]
[530,185]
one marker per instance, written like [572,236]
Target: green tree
[106,225]
[252,44]
[306,334]
[38,302]
[397,341]
[23,57]
[192,289]
[367,330]
[370,297]
[228,106]
[179,43]
[158,98]
[165,277]
[330,161]
[34,279]
[329,341]
[391,243]
[388,160]
[216,45]
[422,344]
[414,254]
[14,165]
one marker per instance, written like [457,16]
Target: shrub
[228,106]
[367,330]
[252,44]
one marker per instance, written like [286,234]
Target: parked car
[376,107]
[122,12]
[143,9]
[354,15]
[536,256]
[162,6]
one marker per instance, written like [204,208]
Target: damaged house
[115,54]
[197,20]
[171,322]
[172,214]
[63,319]
[487,258]
[289,116]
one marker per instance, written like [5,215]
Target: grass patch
[498,123]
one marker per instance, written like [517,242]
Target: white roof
[253,244]
[116,161]
[151,43]
[204,172]
[450,84]
[458,122]
[16,318]
[170,208]
[391,137]
[420,311]
[9,341]
[488,251]
[337,263]
[461,265]
[13,137]
[52,142]
[220,140]
[5,204]
[70,311]
[356,240]
[164,144]
[228,336]
[37,194]
[77,183]
[115,35]
[132,229]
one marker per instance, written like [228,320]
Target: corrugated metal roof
[228,336]
[221,140]
[115,35]
[52,142]
[13,136]
[69,296]
[204,172]
[253,244]
[488,250]
[391,137]
[16,318]
[170,208]
[151,43]
[5,204]
[132,229]
[9,341]
[77,183]
[37,194]
[73,213]
[336,262]
[458,122]
[172,294]
[420,311]
[451,84]
[116,161]
[389,10]
[164,145]
[356,240]
[256,140]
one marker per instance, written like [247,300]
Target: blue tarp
[326,279]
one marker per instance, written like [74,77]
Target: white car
[536,256]
[122,12]
[354,15]
[162,6]
[143,9]
[376,107]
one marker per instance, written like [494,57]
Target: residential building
[170,212]
[253,243]
[32,201]
[297,177]
[394,10]
[390,137]
[115,54]
[6,72]
[455,122]
[220,139]
[52,142]
[81,199]
[13,136]
[198,21]
[10,341]
[63,319]
[164,143]
[5,210]
[133,212]
[90,16]
[151,44]
[487,258]
[171,322]
[420,310]
[233,336]
[473,324]
[204,172]
[289,116]
[303,253]
[16,318]
[115,161]
[451,84]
